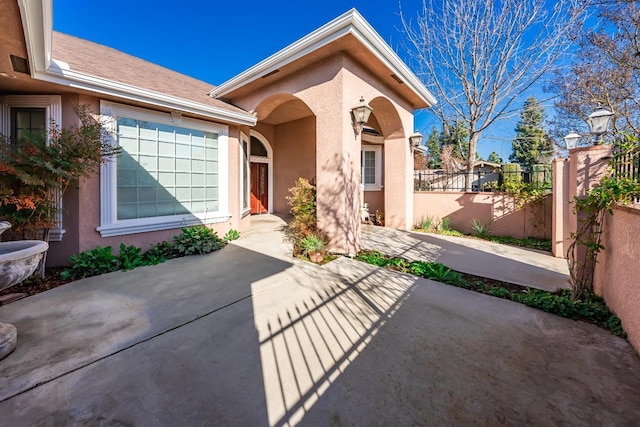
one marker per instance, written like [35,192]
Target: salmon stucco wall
[496,210]
[616,273]
[294,157]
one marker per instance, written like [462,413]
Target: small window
[372,168]
[27,123]
[257,148]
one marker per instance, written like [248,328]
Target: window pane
[165,170]
[27,123]
[369,175]
[257,148]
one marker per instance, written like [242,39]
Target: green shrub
[445,224]
[159,253]
[313,243]
[91,263]
[482,229]
[197,240]
[130,257]
[425,222]
[302,200]
[231,235]
[589,307]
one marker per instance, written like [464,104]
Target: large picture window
[168,174]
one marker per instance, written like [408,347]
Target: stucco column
[338,180]
[587,166]
[398,187]
[561,208]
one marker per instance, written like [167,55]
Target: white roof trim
[37,25]
[350,22]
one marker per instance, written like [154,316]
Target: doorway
[259,188]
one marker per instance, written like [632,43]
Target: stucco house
[198,154]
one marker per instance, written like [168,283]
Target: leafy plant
[197,240]
[130,257]
[313,243]
[91,263]
[425,222]
[612,190]
[588,307]
[159,253]
[482,229]
[36,170]
[445,224]
[231,235]
[302,200]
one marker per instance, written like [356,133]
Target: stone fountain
[18,260]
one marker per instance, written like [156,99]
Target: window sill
[373,188]
[56,234]
[121,228]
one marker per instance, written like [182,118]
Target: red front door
[259,188]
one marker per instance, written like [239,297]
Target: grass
[589,307]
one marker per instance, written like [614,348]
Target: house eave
[350,22]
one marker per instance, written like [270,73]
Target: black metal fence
[481,180]
[628,165]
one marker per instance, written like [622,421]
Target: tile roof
[105,62]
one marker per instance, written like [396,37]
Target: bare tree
[479,56]
[605,71]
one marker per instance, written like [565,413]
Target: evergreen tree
[433,144]
[532,144]
[456,134]
[494,158]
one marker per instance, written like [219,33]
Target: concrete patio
[251,336]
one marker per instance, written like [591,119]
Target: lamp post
[598,122]
[360,115]
[571,140]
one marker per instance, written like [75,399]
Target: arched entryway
[385,157]
[261,162]
[284,140]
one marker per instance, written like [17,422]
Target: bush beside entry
[303,229]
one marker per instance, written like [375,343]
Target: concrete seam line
[198,317]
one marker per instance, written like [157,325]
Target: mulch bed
[36,285]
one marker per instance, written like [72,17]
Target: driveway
[250,336]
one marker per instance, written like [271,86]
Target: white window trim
[244,162]
[109,224]
[268,160]
[53,113]
[378,184]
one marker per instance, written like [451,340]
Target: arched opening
[286,130]
[381,141]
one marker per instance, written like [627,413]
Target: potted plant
[314,247]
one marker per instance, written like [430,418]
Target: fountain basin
[19,259]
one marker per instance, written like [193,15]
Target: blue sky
[216,40]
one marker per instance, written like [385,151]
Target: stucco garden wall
[506,220]
[616,274]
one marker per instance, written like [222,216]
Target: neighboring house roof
[483,163]
[349,32]
[72,62]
